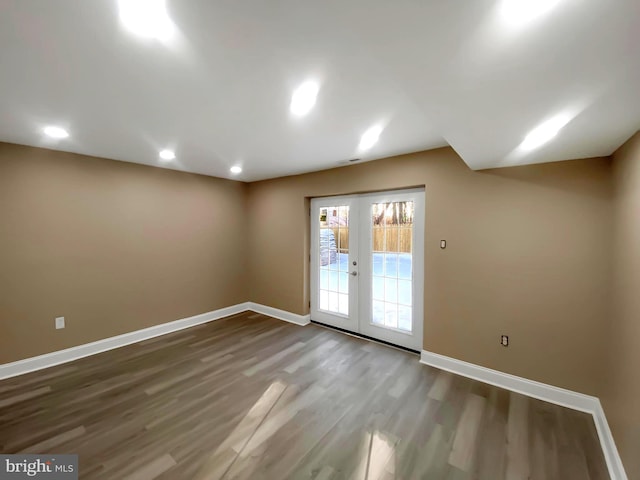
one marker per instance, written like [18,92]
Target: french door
[367,264]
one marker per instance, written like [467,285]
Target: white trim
[609,449]
[360,254]
[350,321]
[47,360]
[541,391]
[414,338]
[301,320]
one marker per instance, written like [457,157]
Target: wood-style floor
[256,398]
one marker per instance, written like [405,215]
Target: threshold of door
[366,337]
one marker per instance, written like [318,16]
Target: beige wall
[528,255]
[621,392]
[116,247]
[112,246]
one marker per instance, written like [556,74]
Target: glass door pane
[367,261]
[334,259]
[391,272]
[391,224]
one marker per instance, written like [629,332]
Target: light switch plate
[59,323]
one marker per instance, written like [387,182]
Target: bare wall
[111,246]
[115,247]
[528,255]
[621,392]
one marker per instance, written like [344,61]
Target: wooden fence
[342,239]
[397,237]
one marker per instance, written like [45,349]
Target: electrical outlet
[504,340]
[59,323]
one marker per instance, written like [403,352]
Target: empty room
[326,240]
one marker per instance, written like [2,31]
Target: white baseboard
[279,314]
[47,360]
[614,462]
[541,391]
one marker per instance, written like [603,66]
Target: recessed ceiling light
[304,98]
[544,132]
[519,12]
[370,137]
[147,18]
[167,155]
[56,132]
[236,170]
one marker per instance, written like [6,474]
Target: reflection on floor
[254,398]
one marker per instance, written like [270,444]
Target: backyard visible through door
[334,282]
[366,266]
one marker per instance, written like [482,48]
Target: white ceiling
[434,72]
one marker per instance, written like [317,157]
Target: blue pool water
[384,264]
[391,288]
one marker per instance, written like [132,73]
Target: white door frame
[347,322]
[360,251]
[413,339]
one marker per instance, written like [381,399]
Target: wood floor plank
[326,473]
[49,444]
[250,397]
[21,397]
[273,424]
[518,438]
[434,462]
[441,385]
[465,440]
[308,357]
[491,452]
[378,448]
[217,465]
[272,360]
[153,469]
[401,384]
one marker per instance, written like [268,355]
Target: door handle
[354,273]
